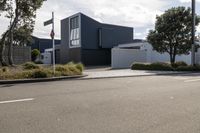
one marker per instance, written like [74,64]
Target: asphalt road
[155,104]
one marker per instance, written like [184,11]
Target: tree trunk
[2,49]
[172,59]
[10,49]
[10,45]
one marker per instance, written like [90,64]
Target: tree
[172,32]
[16,11]
[34,54]
[22,34]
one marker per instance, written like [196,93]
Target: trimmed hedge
[179,63]
[154,66]
[179,66]
[189,68]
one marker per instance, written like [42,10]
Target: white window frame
[79,17]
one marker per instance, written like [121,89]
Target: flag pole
[53,42]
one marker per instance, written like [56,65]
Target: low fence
[124,58]
[21,54]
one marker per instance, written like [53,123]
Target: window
[74,31]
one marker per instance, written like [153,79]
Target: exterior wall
[91,51]
[64,50]
[124,58]
[42,44]
[20,54]
[96,57]
[89,33]
[112,35]
[67,54]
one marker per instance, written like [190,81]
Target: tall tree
[17,11]
[172,32]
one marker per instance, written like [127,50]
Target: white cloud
[134,13]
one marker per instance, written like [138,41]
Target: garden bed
[33,71]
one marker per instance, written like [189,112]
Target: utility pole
[193,33]
[52,34]
[53,39]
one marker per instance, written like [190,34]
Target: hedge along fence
[159,66]
[31,70]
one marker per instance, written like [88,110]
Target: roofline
[79,13]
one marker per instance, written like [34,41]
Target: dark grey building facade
[41,44]
[86,40]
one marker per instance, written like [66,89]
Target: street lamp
[193,33]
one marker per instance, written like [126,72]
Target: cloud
[139,14]
[132,13]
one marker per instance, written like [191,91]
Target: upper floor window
[74,31]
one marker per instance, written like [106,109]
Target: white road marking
[14,101]
[192,80]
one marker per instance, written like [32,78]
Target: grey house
[86,40]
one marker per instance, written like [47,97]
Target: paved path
[106,73]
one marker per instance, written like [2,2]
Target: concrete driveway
[154,104]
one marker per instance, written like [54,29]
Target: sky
[139,14]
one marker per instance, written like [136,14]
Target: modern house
[86,40]
[41,43]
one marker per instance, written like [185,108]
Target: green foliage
[22,34]
[179,63]
[180,66]
[70,69]
[30,66]
[34,54]
[21,15]
[80,66]
[172,32]
[154,66]
[31,70]
[189,68]
[4,69]
[40,73]
[38,62]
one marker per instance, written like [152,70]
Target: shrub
[60,68]
[34,54]
[161,66]
[4,69]
[70,63]
[80,67]
[40,73]
[188,68]
[154,66]
[73,70]
[38,62]
[139,66]
[30,66]
[179,63]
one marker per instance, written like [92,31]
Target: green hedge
[188,68]
[153,66]
[178,66]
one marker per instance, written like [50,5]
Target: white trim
[79,16]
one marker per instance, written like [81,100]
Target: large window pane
[74,31]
